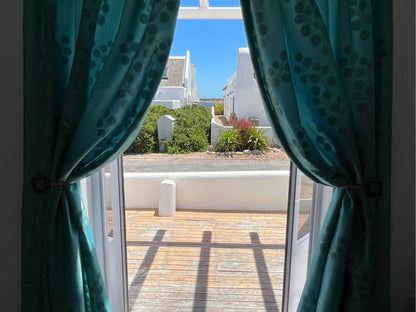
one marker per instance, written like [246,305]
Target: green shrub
[147,140]
[144,142]
[191,131]
[186,140]
[257,140]
[229,141]
[190,134]
[219,108]
[193,116]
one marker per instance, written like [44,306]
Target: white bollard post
[167,198]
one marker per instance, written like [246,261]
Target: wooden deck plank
[205,261]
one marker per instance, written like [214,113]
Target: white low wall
[171,93]
[216,130]
[173,104]
[223,190]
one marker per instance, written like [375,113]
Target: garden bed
[270,155]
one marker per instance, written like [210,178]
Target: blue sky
[213,45]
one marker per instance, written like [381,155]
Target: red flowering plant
[245,129]
[244,136]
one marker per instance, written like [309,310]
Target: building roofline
[177,57]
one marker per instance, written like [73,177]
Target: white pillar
[167,198]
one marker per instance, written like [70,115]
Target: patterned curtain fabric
[91,70]
[324,71]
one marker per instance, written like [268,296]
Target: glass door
[104,199]
[301,232]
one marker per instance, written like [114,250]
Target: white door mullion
[92,189]
[117,243]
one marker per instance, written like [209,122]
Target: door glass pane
[299,230]
[108,201]
[305,205]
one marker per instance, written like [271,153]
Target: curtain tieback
[42,184]
[372,188]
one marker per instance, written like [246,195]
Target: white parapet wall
[173,104]
[216,130]
[222,190]
[166,93]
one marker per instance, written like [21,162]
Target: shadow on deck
[205,261]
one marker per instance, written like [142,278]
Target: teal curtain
[324,72]
[91,70]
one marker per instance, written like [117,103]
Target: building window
[165,73]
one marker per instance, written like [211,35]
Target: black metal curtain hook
[372,188]
[42,184]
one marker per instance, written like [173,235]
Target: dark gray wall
[11,153]
[402,231]
[11,159]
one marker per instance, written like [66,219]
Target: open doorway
[223,249]
[214,254]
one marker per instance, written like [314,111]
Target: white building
[241,93]
[178,86]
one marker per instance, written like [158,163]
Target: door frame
[111,250]
[315,226]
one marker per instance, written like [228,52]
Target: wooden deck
[205,261]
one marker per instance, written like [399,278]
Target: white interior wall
[11,158]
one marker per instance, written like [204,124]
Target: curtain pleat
[324,73]
[91,70]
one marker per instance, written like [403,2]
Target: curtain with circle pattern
[91,70]
[324,72]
